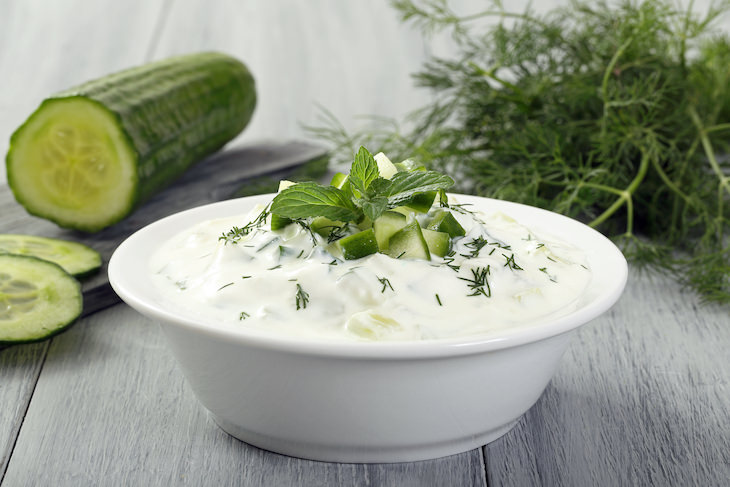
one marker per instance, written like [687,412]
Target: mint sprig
[307,199]
[368,194]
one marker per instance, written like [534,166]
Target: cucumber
[37,299]
[386,225]
[75,258]
[421,202]
[358,245]
[408,243]
[386,168]
[439,243]
[444,221]
[88,156]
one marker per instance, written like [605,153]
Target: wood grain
[214,179]
[641,398]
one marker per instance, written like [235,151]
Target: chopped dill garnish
[275,267]
[336,232]
[449,261]
[237,233]
[511,262]
[243,316]
[475,245]
[301,298]
[246,277]
[308,229]
[386,284]
[479,282]
[225,286]
[551,277]
[438,299]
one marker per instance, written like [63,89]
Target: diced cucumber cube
[283,184]
[386,225]
[421,202]
[408,243]
[279,222]
[338,180]
[358,245]
[409,165]
[439,243]
[324,226]
[444,221]
[385,167]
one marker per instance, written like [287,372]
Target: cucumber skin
[172,112]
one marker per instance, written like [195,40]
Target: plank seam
[16,431]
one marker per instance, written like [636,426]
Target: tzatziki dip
[413,272]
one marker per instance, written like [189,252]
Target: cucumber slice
[89,155]
[75,258]
[439,243]
[37,299]
[386,225]
[444,221]
[408,243]
[358,245]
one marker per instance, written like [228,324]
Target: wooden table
[642,396]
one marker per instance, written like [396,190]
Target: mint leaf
[374,206]
[304,200]
[403,185]
[364,170]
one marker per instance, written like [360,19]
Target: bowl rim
[602,292]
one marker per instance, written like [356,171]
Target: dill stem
[606,76]
[625,197]
[724,183]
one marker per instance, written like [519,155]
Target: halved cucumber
[408,243]
[37,299]
[89,155]
[77,259]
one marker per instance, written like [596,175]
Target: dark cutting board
[215,179]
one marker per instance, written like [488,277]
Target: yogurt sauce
[499,275]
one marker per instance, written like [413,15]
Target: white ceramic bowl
[366,402]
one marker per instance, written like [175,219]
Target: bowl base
[343,453]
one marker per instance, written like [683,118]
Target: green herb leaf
[364,170]
[404,185]
[306,200]
[374,206]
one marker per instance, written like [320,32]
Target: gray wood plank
[112,408]
[642,397]
[19,370]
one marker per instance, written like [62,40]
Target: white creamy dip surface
[283,283]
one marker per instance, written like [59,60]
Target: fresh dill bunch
[613,113]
